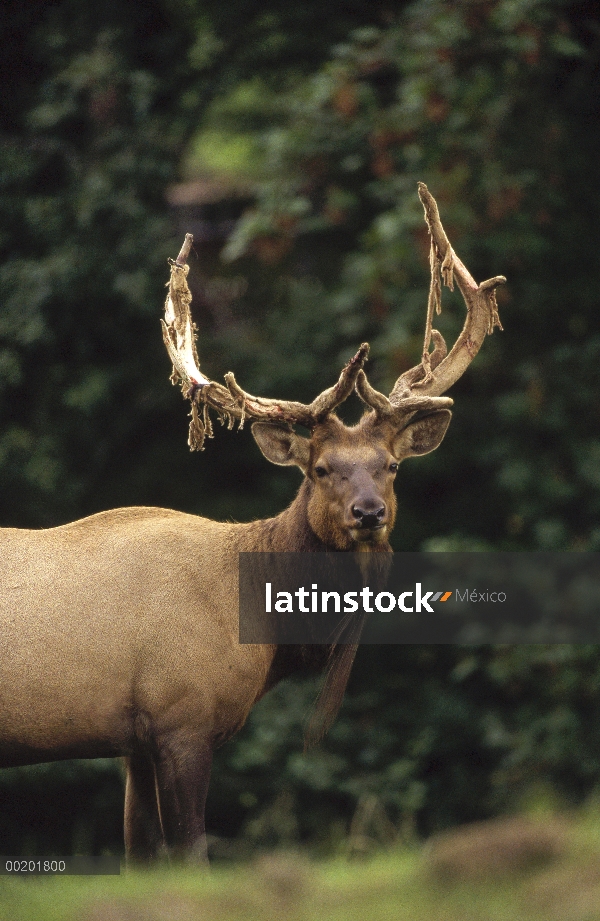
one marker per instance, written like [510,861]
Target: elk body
[119,632]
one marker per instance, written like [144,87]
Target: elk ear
[282,446]
[423,435]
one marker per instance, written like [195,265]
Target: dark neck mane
[290,532]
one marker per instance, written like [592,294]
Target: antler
[417,390]
[420,388]
[231,402]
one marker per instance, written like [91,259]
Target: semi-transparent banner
[305,598]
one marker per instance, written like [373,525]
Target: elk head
[349,470]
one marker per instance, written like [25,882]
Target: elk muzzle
[368,517]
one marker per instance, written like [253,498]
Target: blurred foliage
[99,101]
[438,734]
[487,103]
[340,113]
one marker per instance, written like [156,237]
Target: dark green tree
[489,104]
[99,101]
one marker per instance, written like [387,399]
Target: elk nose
[368,519]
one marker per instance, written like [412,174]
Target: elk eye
[393,467]
[320,472]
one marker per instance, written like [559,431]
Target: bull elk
[119,632]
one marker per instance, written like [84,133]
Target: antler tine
[231,402]
[300,413]
[407,406]
[422,386]
[480,301]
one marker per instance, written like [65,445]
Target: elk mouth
[375,534]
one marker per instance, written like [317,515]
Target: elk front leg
[183,766]
[143,833]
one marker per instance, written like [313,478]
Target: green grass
[396,885]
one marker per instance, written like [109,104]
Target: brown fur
[119,632]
